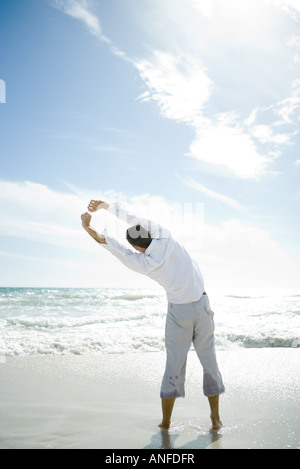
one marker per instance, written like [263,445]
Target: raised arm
[86,220]
[118,210]
[121,212]
[96,205]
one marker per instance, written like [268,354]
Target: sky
[187,111]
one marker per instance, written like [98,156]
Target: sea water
[105,321]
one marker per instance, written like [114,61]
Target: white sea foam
[79,321]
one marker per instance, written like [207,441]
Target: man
[189,318]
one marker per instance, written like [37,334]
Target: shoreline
[112,402]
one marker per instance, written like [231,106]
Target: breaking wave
[80,321]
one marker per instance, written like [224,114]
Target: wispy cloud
[290,6]
[265,134]
[109,149]
[183,87]
[288,109]
[212,194]
[82,10]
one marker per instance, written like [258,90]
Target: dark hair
[138,236]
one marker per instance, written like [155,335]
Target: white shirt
[165,260]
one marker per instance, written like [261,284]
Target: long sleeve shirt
[166,261]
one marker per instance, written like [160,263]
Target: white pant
[187,323]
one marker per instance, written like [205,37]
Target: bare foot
[167,409]
[164,425]
[215,416]
[216,423]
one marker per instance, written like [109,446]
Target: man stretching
[189,318]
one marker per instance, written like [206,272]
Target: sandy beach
[112,402]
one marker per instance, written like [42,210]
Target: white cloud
[205,7]
[284,113]
[265,134]
[232,253]
[229,147]
[182,87]
[288,110]
[179,85]
[35,212]
[294,41]
[212,194]
[291,6]
[240,254]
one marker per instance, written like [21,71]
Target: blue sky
[166,105]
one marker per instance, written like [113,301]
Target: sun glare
[242,9]
[246,21]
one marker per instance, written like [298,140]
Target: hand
[86,219]
[95,205]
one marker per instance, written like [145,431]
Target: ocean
[50,321]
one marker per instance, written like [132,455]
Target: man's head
[139,237]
